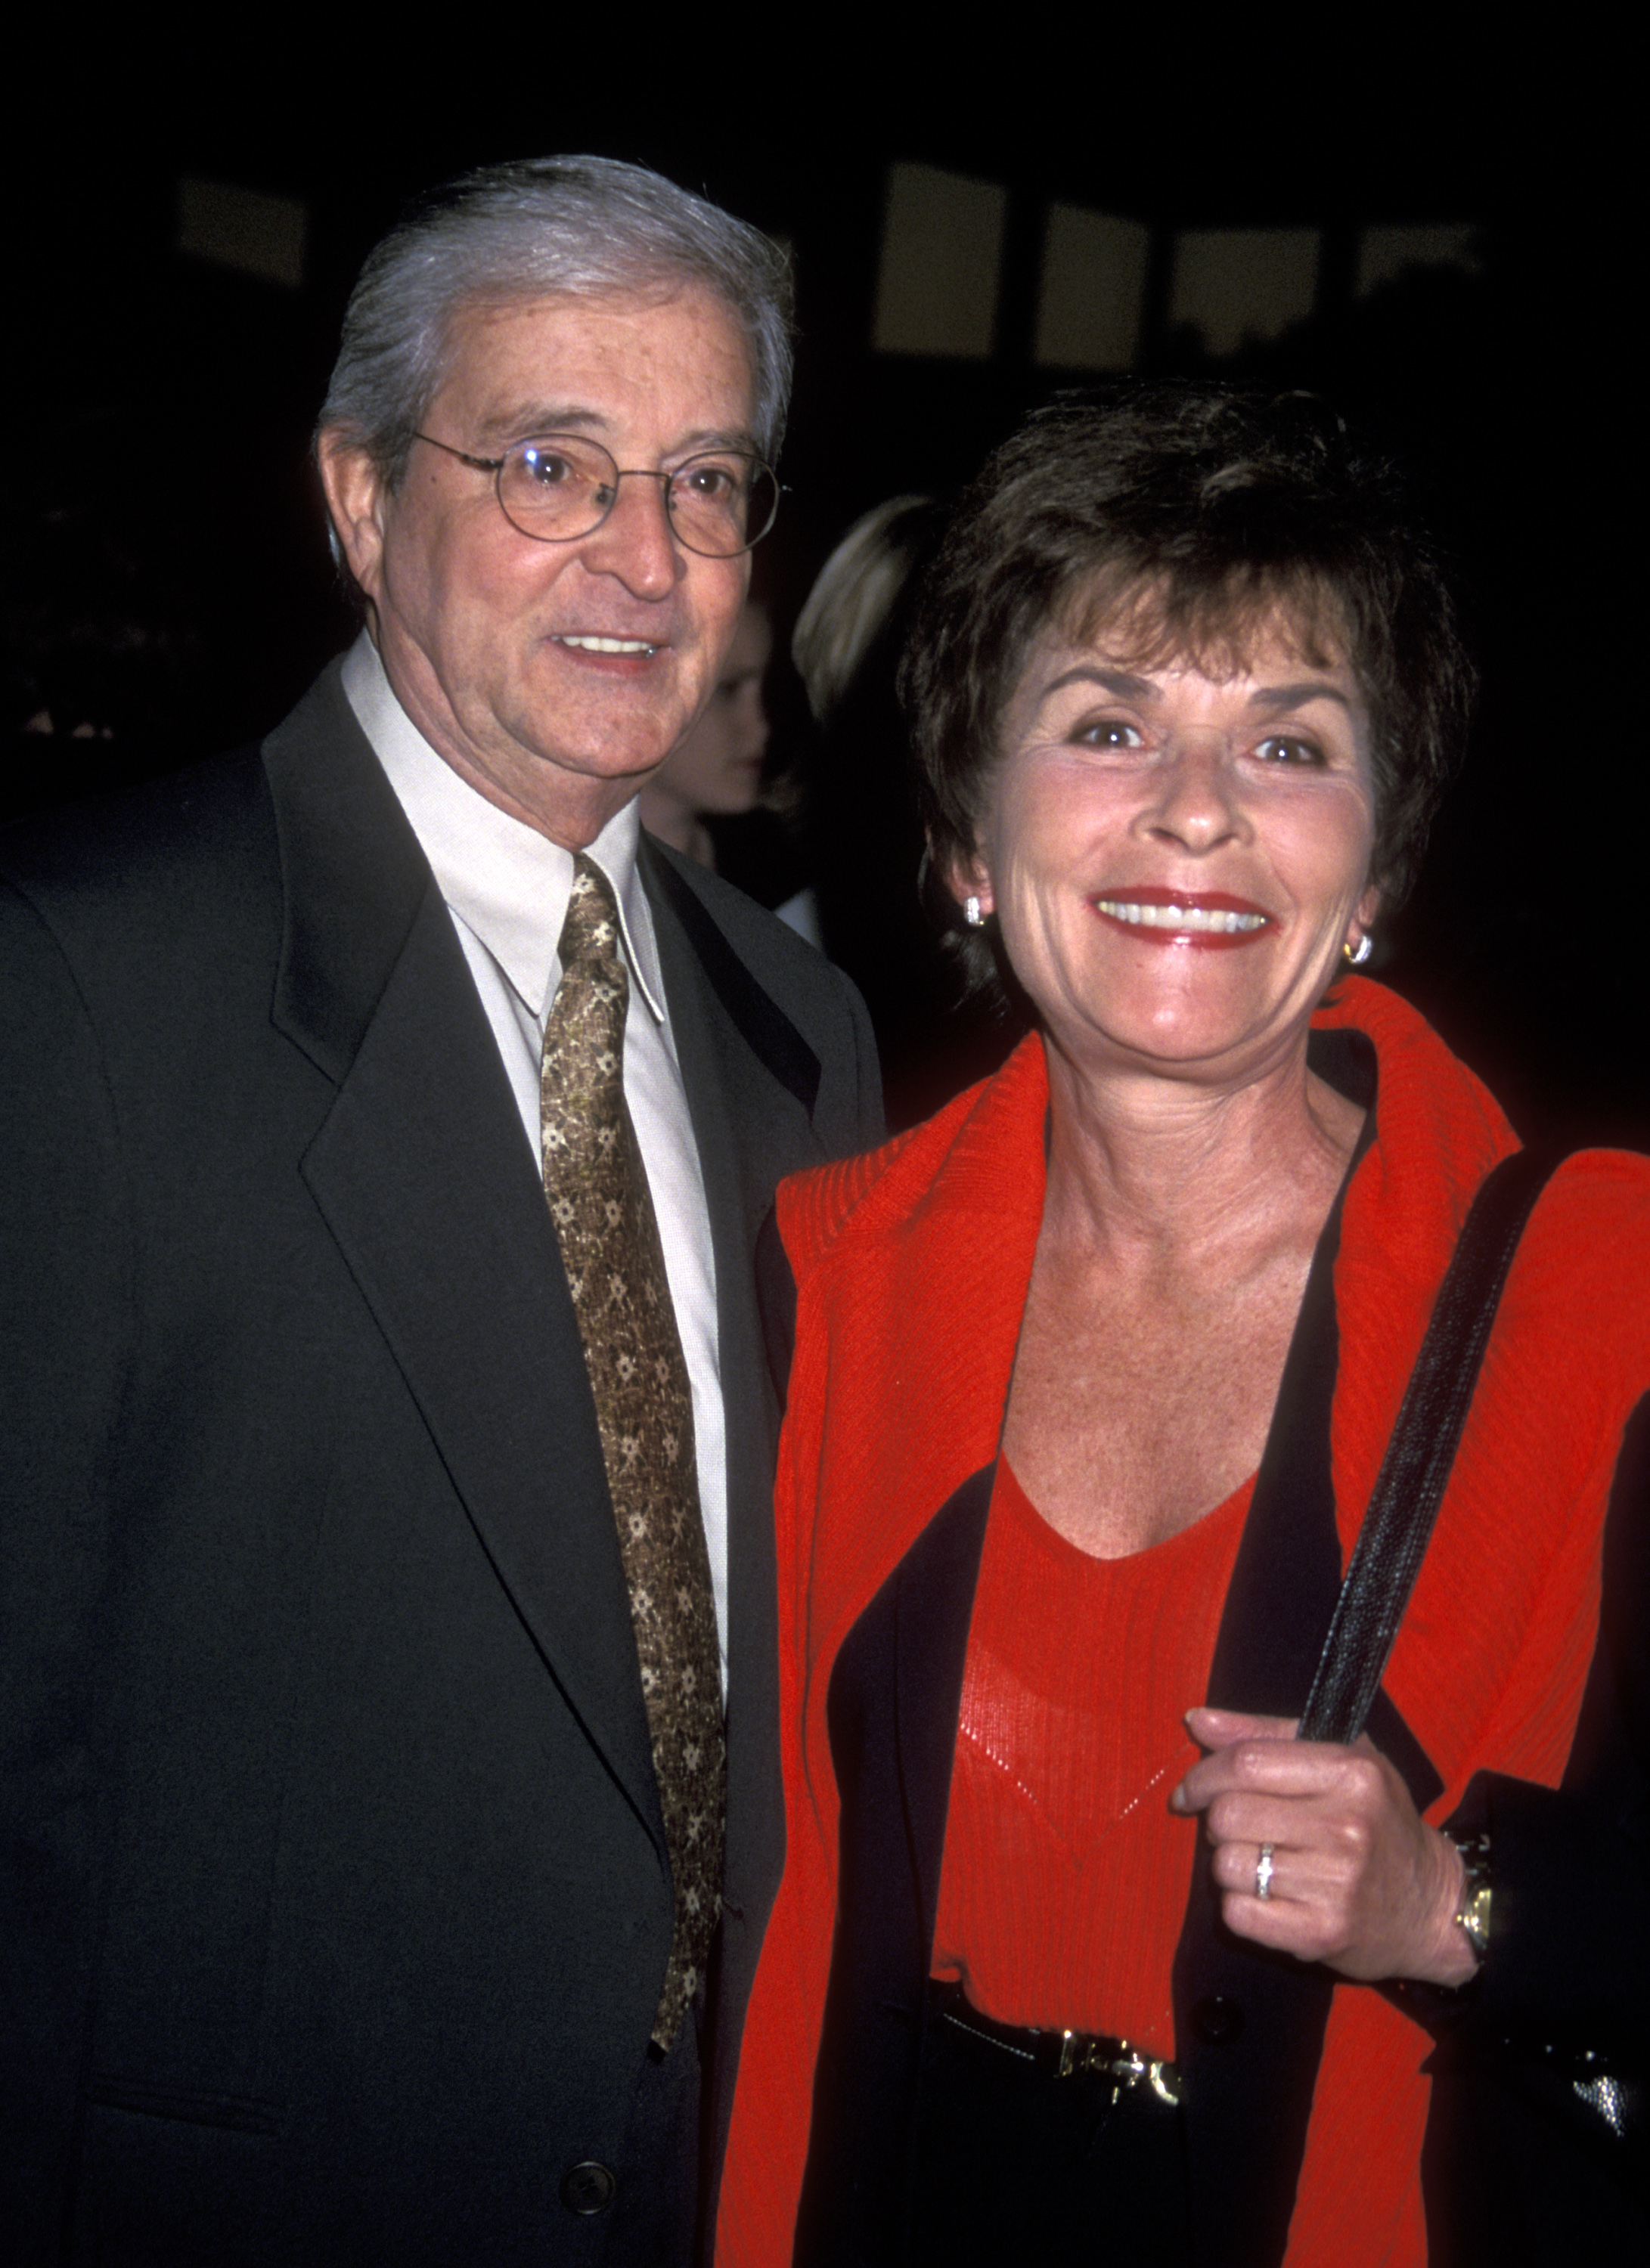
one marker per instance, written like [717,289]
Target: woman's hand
[1358,1880]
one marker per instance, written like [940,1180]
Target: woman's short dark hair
[1188,517]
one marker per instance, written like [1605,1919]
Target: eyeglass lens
[564,486]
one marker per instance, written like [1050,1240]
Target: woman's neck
[1143,1167]
[1178,1234]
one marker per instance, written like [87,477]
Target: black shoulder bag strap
[1398,1523]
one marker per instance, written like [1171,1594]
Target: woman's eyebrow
[1297,696]
[1129,686]
[1123,682]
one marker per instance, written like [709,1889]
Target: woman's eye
[1288,748]
[1107,733]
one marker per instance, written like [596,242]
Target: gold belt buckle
[1080,2054]
[1116,2060]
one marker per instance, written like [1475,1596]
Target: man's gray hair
[523,231]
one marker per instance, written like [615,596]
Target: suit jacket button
[589,2188]
[1218,2019]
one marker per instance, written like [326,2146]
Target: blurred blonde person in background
[716,771]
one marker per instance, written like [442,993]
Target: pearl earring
[1356,955]
[971,913]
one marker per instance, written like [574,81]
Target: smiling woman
[1092,1378]
[1141,816]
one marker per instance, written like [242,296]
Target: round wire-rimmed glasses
[561,486]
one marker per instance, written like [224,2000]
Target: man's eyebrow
[716,437]
[525,420]
[1298,696]
[531,420]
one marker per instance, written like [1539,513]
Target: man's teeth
[1191,917]
[607,644]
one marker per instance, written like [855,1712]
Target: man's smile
[587,643]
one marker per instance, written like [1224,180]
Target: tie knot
[590,934]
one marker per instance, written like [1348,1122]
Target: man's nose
[635,541]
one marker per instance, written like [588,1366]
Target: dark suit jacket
[334,1900]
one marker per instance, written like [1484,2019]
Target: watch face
[1475,1918]
[1473,1913]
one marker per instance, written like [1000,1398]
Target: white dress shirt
[507,887]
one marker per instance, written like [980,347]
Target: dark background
[178,394]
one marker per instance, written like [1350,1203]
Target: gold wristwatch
[1473,1913]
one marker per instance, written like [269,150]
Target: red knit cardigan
[912,1265]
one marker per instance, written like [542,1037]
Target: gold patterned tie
[596,1185]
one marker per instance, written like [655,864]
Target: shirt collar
[507,883]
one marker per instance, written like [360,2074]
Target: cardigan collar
[912,1266]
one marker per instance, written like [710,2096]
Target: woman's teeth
[1192,918]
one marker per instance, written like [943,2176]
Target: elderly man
[386,1548]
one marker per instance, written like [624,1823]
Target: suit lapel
[425,1183]
[750,1079]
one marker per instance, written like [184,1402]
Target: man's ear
[354,490]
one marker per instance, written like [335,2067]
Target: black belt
[1061,2054]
